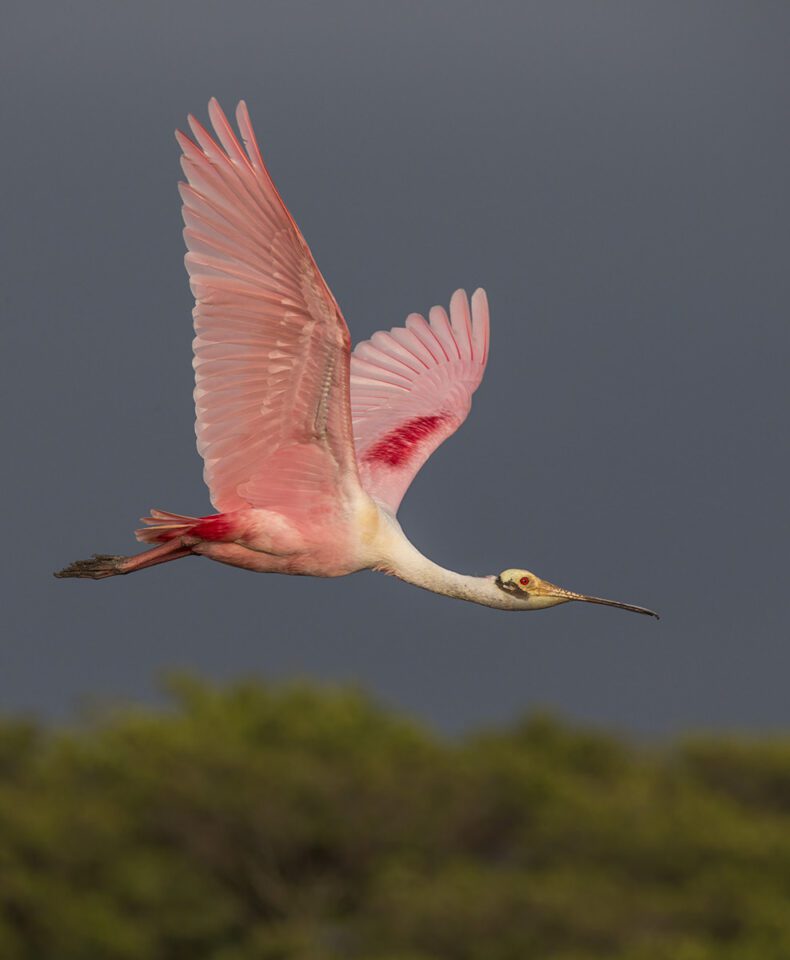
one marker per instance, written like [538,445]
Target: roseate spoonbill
[308,447]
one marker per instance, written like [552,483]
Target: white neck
[403,560]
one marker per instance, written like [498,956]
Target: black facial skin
[509,587]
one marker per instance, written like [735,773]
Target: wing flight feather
[271,351]
[411,389]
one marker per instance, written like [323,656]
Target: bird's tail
[162,526]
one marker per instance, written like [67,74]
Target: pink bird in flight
[308,447]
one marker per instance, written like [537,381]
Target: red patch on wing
[397,447]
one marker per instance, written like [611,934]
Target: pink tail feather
[161,527]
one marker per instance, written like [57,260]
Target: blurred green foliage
[262,823]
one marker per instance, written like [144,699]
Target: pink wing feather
[271,347]
[412,388]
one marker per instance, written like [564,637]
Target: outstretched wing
[412,388]
[271,347]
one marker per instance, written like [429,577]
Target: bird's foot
[99,566]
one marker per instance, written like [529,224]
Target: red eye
[524,581]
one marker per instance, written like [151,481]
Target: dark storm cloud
[616,176]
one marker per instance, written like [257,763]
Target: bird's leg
[102,565]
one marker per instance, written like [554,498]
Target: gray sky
[615,174]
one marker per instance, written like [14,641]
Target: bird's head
[535,594]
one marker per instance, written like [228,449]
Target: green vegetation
[260,823]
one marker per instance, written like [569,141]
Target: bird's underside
[308,448]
